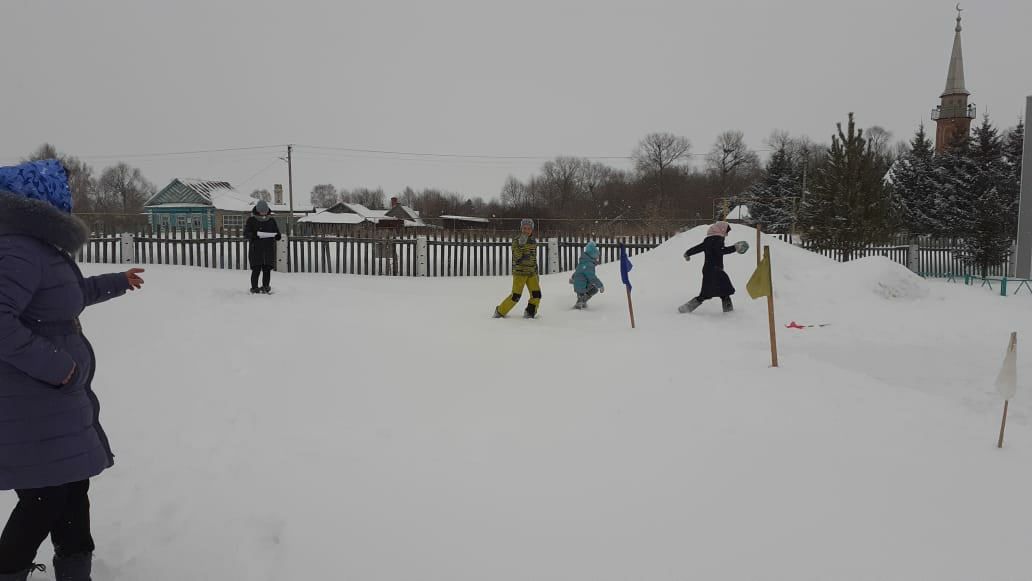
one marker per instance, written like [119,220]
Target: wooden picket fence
[386,253]
[929,257]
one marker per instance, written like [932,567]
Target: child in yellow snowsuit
[524,273]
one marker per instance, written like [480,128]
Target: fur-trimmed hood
[22,216]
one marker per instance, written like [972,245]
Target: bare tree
[324,195]
[122,188]
[514,194]
[262,194]
[880,141]
[372,199]
[561,180]
[658,154]
[730,160]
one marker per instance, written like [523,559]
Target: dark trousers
[265,271]
[63,512]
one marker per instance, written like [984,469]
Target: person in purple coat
[51,440]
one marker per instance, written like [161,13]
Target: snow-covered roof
[298,209]
[467,219]
[184,205]
[332,218]
[214,193]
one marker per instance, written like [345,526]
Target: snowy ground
[389,429]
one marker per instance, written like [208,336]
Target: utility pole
[290,180]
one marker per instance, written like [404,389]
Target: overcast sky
[117,79]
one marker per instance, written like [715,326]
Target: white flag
[1007,381]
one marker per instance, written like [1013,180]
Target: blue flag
[625,266]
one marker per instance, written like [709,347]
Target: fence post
[914,257]
[553,255]
[421,262]
[282,249]
[128,249]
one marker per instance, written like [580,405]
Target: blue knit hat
[44,180]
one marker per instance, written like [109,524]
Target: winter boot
[728,306]
[582,301]
[255,290]
[498,314]
[23,575]
[530,313]
[266,290]
[689,306]
[73,567]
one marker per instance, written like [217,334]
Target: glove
[687,257]
[602,290]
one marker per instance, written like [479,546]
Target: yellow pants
[518,282]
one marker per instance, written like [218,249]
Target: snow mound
[886,278]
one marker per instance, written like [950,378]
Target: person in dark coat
[715,282]
[51,440]
[263,232]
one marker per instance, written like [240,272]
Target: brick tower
[954,114]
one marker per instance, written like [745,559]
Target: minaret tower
[954,114]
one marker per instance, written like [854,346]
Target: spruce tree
[917,187]
[849,206]
[772,202]
[989,209]
[1013,149]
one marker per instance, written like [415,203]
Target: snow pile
[376,428]
[886,278]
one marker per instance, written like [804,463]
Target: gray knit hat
[262,207]
[526,222]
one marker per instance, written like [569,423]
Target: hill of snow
[386,429]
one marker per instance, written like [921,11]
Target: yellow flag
[759,283]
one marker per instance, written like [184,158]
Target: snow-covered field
[390,429]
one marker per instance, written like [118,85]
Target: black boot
[690,306]
[531,312]
[73,567]
[728,306]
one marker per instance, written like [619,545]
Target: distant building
[954,114]
[346,217]
[193,204]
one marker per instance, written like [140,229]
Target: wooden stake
[630,306]
[1003,425]
[759,229]
[1012,346]
[770,311]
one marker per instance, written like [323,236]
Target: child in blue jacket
[585,283]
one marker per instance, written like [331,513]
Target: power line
[258,173]
[453,155]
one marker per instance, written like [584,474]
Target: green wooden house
[189,204]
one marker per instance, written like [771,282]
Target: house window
[164,221]
[182,221]
[231,221]
[196,222]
